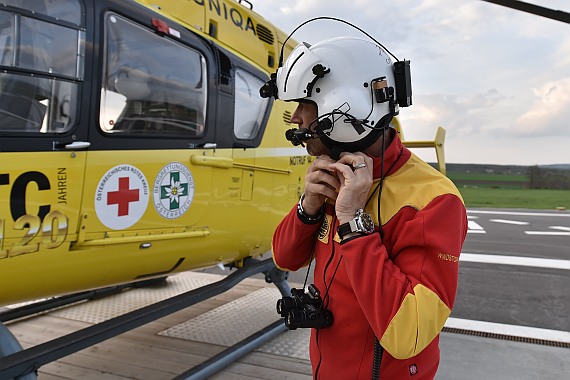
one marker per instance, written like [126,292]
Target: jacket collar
[395,156]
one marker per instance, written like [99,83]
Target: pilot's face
[304,115]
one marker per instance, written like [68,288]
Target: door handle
[78,145]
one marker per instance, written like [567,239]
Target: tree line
[548,178]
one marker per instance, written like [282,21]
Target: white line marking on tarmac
[548,233]
[474,228]
[515,260]
[563,215]
[505,329]
[516,222]
[562,228]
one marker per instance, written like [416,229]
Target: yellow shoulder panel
[414,185]
[418,321]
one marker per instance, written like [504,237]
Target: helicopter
[134,141]
[135,145]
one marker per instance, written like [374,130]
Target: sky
[497,79]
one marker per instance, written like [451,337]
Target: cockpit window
[42,61]
[64,10]
[250,107]
[151,85]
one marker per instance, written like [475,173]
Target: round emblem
[173,190]
[121,197]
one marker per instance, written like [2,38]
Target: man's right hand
[320,184]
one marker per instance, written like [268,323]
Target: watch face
[366,223]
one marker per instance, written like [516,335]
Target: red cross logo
[123,196]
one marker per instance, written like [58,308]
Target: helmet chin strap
[361,145]
[337,148]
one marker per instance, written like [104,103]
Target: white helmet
[352,83]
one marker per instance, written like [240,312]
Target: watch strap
[346,228]
[307,219]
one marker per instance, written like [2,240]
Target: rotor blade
[534,9]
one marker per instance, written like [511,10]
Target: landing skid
[15,363]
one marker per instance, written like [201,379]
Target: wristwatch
[362,223]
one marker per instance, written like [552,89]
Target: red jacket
[400,288]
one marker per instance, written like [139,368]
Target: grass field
[515,198]
[488,177]
[495,181]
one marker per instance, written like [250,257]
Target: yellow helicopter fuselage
[134,143]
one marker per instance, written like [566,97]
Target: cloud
[562,54]
[374,16]
[449,18]
[550,111]
[496,79]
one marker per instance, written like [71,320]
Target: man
[384,228]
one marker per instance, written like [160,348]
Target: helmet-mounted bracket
[270,89]
[320,71]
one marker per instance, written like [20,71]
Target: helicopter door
[42,140]
[142,193]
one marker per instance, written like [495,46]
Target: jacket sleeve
[293,242]
[408,299]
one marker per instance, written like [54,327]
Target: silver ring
[359,166]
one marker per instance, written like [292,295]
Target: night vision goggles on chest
[304,309]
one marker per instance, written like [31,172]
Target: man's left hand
[354,171]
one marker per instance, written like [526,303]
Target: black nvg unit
[304,309]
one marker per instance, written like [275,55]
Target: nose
[296,117]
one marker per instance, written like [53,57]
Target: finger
[353,178]
[323,177]
[358,161]
[353,159]
[322,161]
[321,190]
[353,168]
[325,157]
[342,170]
